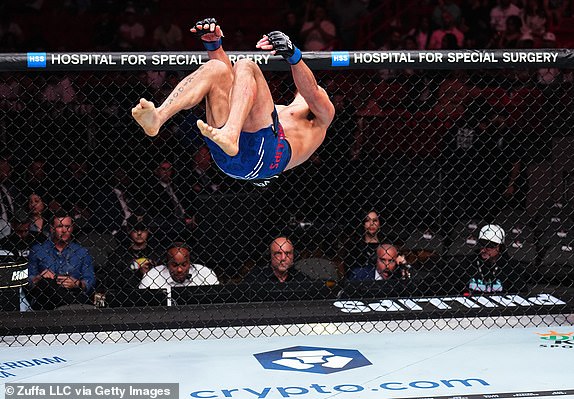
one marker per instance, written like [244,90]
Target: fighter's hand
[279,43]
[265,44]
[207,30]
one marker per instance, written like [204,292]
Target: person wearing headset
[178,271]
[389,265]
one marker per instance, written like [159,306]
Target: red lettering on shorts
[278,155]
[279,148]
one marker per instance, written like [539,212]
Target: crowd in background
[441,153]
[313,25]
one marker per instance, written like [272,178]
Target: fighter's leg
[251,106]
[211,81]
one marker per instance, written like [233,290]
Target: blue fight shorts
[262,154]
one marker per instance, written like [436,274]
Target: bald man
[178,271]
[280,269]
[389,265]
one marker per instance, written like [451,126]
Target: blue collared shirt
[74,261]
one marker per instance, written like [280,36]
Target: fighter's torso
[297,118]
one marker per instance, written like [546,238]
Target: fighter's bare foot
[146,114]
[226,140]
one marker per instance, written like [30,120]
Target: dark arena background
[440,152]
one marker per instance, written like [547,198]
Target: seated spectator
[131,32]
[534,19]
[421,32]
[38,222]
[22,238]
[491,270]
[11,89]
[114,203]
[435,42]
[166,203]
[204,178]
[291,27]
[38,181]
[359,249]
[164,196]
[167,36]
[280,269]
[76,191]
[60,271]
[511,35]
[179,271]
[130,261]
[499,14]
[442,7]
[317,33]
[388,265]
[555,9]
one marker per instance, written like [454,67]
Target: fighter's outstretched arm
[315,96]
[210,34]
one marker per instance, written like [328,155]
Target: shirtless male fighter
[248,135]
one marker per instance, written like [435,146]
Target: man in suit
[166,204]
[280,269]
[166,200]
[389,265]
[114,204]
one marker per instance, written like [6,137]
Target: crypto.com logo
[312,360]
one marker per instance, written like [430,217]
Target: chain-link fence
[443,190]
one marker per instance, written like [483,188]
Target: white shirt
[159,277]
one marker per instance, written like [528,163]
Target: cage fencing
[442,191]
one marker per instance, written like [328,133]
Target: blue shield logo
[310,359]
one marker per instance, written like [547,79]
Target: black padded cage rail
[426,148]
